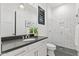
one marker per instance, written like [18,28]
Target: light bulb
[22,6]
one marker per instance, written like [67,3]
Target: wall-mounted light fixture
[21,5]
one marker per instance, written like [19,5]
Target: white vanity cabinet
[36,49]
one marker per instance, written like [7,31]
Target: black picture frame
[41,16]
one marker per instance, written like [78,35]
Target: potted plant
[34,30]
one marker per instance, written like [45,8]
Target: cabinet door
[33,52]
[7,19]
[42,51]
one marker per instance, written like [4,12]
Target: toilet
[50,49]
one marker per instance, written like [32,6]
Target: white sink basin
[29,39]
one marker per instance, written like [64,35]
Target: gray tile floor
[62,51]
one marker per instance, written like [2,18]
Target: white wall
[0,28]
[42,29]
[29,13]
[61,24]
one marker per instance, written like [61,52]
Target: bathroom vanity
[35,46]
[14,22]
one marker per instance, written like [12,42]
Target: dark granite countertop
[11,45]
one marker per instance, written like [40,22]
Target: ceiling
[53,5]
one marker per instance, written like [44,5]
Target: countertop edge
[23,45]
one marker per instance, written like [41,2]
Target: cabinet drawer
[35,45]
